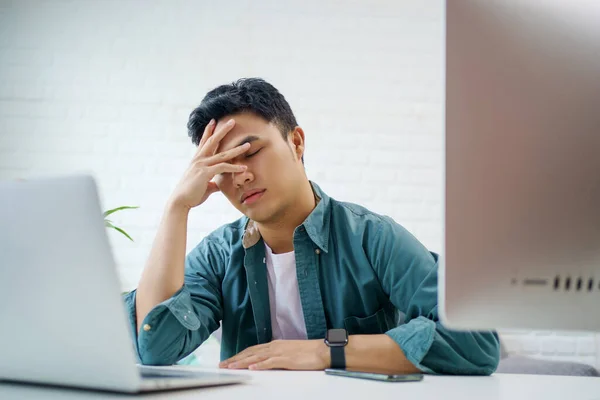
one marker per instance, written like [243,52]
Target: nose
[242,179]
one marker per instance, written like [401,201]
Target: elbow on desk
[487,369]
[148,357]
[487,357]
[158,356]
[468,353]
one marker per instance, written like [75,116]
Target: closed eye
[253,154]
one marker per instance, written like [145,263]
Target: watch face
[336,336]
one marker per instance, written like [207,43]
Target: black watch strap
[337,339]
[338,357]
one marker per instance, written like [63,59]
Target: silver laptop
[63,319]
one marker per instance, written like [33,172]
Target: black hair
[245,95]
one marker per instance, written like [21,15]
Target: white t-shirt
[287,317]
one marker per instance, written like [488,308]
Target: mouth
[252,196]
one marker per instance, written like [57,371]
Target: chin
[261,214]
[264,211]
[257,216]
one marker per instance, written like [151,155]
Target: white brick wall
[107,86]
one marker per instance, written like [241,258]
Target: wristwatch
[337,339]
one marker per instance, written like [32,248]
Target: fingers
[223,168]
[212,143]
[250,351]
[246,362]
[270,363]
[227,155]
[208,132]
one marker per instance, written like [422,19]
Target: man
[297,268]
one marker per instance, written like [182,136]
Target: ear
[296,139]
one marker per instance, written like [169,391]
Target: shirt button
[147,327]
[317,251]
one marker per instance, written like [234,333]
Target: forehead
[246,124]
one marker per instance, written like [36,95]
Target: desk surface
[292,385]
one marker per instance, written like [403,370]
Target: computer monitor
[522,196]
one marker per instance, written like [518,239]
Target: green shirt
[356,270]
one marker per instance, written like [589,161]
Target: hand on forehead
[247,129]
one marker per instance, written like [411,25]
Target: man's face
[274,170]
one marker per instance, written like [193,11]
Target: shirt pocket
[371,325]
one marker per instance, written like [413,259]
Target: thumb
[212,188]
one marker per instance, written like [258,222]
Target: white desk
[292,385]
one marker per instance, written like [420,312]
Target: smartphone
[375,375]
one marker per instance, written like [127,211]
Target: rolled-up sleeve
[176,327]
[408,273]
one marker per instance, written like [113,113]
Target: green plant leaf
[114,210]
[110,225]
[123,232]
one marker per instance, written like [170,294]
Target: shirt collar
[316,224]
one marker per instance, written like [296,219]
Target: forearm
[163,274]
[377,352]
[372,353]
